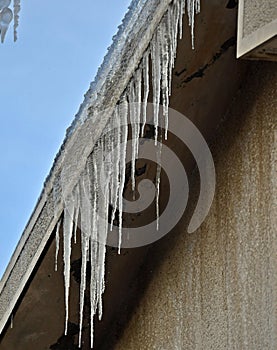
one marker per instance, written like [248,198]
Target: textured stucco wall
[217,288]
[258,13]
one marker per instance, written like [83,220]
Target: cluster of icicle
[92,197]
[6,17]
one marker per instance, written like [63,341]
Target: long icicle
[138,81]
[132,108]
[123,108]
[145,68]
[76,211]
[16,9]
[93,248]
[135,111]
[57,244]
[158,180]
[85,190]
[67,230]
[193,7]
[156,78]
[103,226]
[115,178]
[165,69]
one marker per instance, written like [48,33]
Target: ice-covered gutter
[140,37]
[6,17]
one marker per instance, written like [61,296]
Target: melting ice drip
[6,17]
[89,202]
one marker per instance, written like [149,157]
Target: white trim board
[246,43]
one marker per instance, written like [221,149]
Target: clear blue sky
[43,77]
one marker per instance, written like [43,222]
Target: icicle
[67,229]
[192,23]
[138,77]
[171,44]
[103,224]
[181,13]
[157,60]
[85,246]
[197,6]
[93,305]
[76,213]
[135,104]
[174,23]
[93,250]
[123,110]
[145,65]
[6,16]
[115,177]
[101,278]
[85,191]
[156,78]
[57,244]
[95,200]
[164,75]
[16,9]
[97,161]
[193,7]
[132,120]
[175,19]
[158,180]
[4,3]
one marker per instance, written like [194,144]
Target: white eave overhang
[257,30]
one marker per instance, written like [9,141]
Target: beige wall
[217,288]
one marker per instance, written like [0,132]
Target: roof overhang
[257,30]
